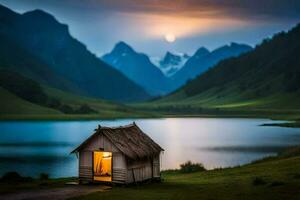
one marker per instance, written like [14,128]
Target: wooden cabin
[122,154]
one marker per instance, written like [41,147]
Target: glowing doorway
[102,166]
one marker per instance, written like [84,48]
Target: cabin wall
[85,166]
[140,170]
[119,168]
[101,143]
[156,166]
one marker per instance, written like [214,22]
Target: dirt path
[55,193]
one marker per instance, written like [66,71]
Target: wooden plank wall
[101,143]
[119,168]
[156,167]
[85,166]
[119,175]
[139,171]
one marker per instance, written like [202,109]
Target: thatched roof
[129,139]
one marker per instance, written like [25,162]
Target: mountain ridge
[44,38]
[138,67]
[203,59]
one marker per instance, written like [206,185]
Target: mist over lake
[33,147]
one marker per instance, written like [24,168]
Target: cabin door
[102,166]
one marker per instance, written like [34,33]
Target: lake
[31,147]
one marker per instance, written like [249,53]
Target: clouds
[199,8]
[143,23]
[242,8]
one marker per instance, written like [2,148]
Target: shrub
[44,176]
[277,183]
[53,103]
[85,109]
[258,181]
[296,176]
[189,167]
[66,109]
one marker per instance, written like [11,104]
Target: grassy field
[273,178]
[213,99]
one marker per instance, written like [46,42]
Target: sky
[157,26]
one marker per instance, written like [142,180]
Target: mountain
[138,67]
[266,77]
[171,63]
[38,46]
[203,59]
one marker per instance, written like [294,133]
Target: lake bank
[292,124]
[272,178]
[275,115]
[292,120]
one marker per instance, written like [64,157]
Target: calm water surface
[31,148]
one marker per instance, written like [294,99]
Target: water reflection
[35,147]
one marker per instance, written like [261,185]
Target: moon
[170,37]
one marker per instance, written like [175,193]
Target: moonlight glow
[170,38]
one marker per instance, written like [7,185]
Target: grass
[276,178]
[214,103]
[213,100]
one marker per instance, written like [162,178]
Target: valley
[231,81]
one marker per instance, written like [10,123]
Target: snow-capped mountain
[170,63]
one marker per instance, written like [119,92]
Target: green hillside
[104,109]
[11,105]
[23,98]
[14,107]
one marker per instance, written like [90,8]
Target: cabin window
[102,166]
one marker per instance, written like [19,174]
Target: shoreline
[16,117]
[291,122]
